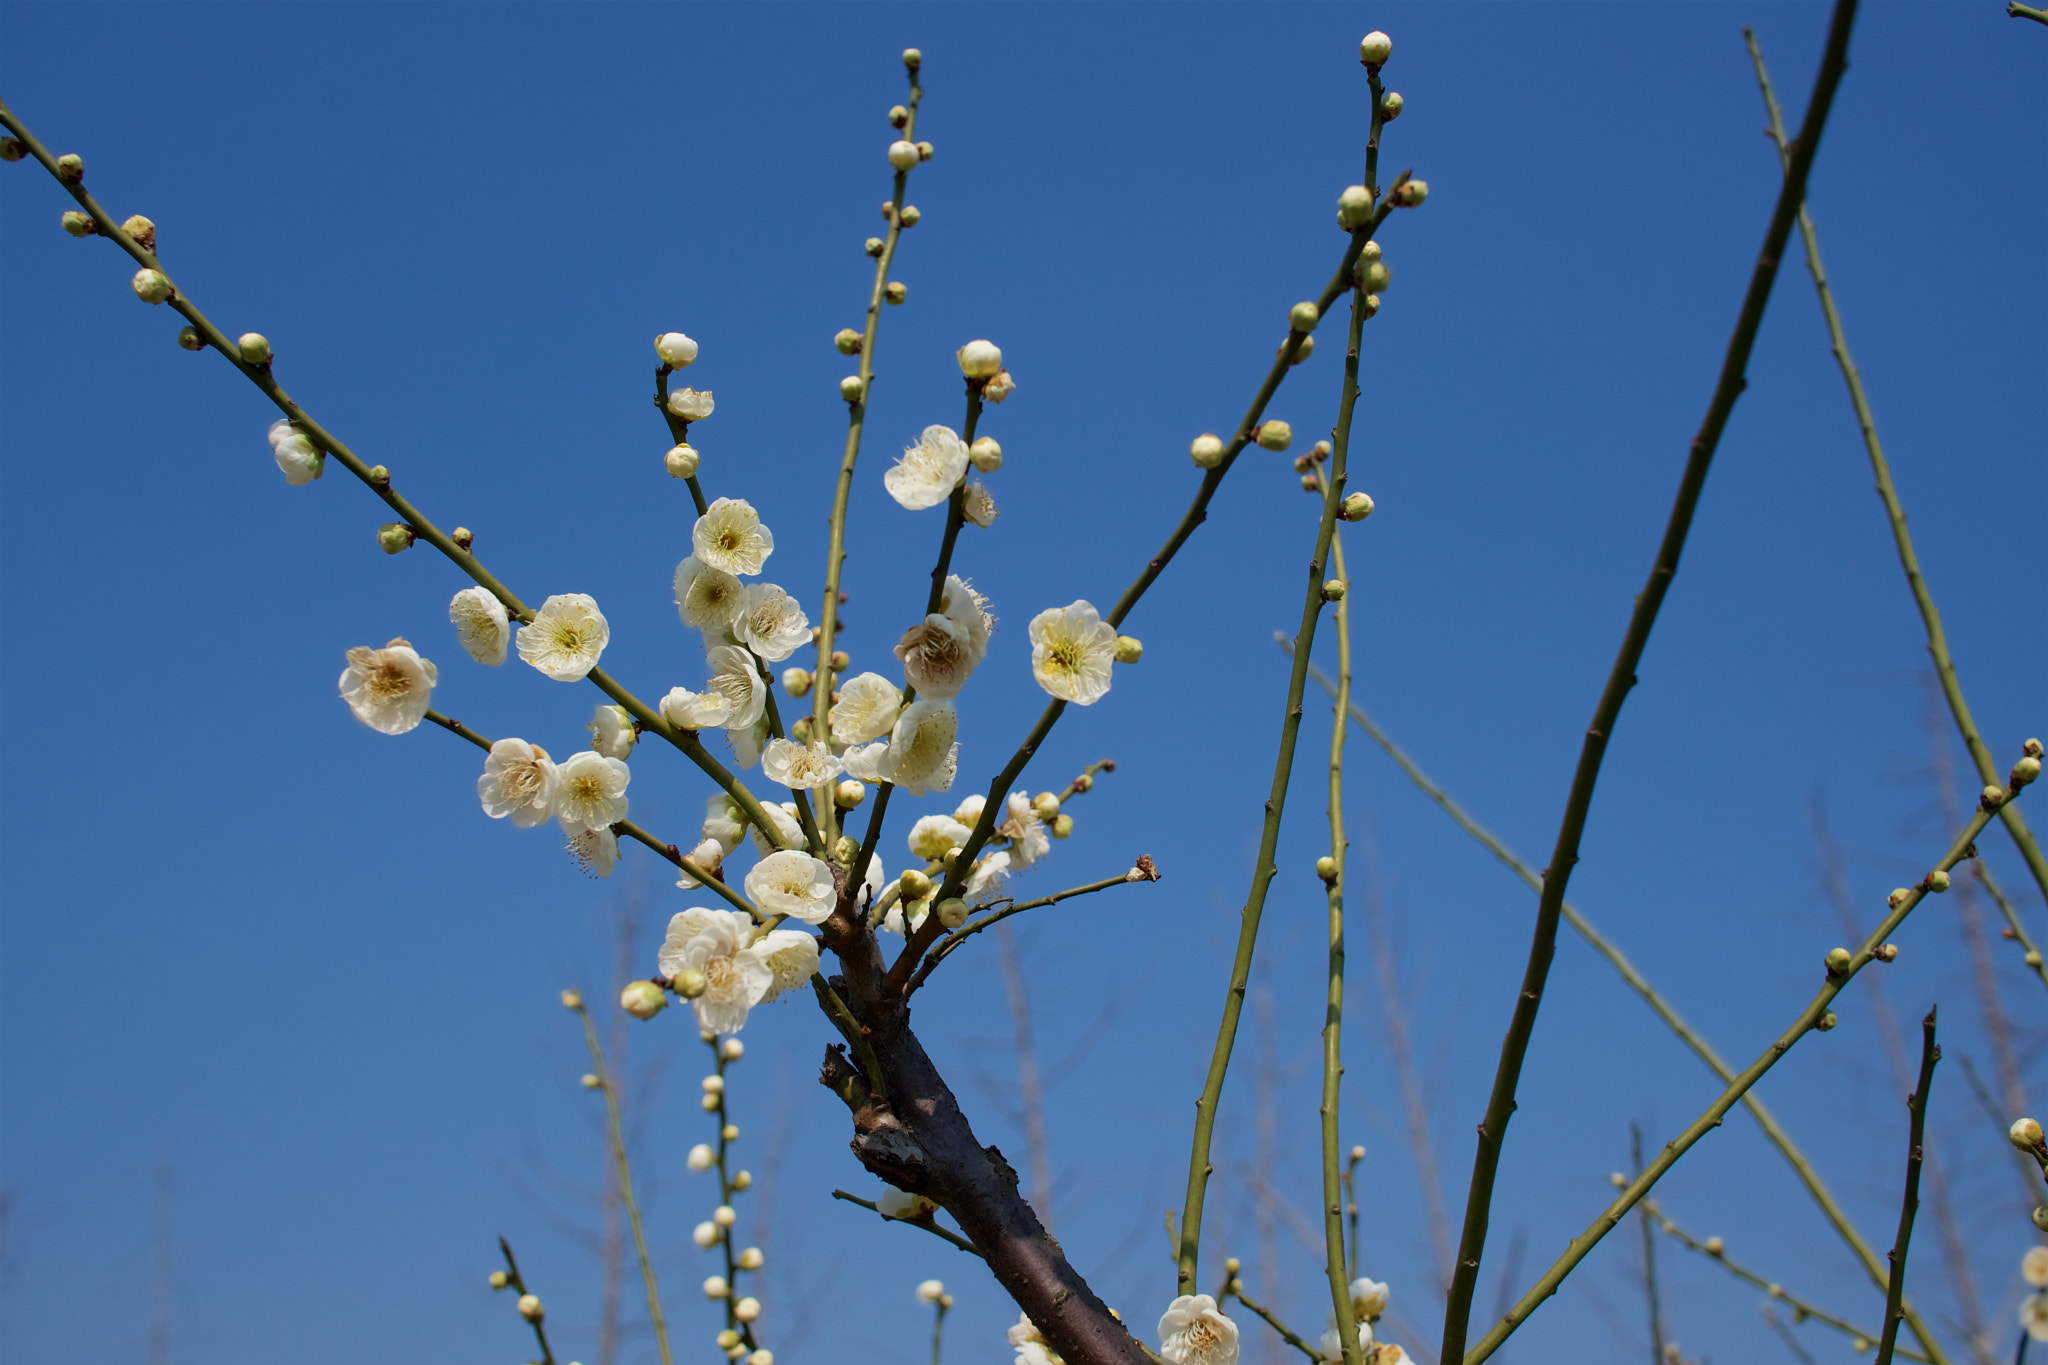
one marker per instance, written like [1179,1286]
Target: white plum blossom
[866,709]
[701,1157]
[933,835]
[792,958]
[747,741]
[707,855]
[723,821]
[985,883]
[1368,1298]
[296,455]
[691,405]
[999,388]
[1031,1345]
[590,791]
[687,710]
[565,637]
[893,918]
[920,755]
[481,625]
[1330,1348]
[611,731]
[676,350]
[1192,1332]
[940,652]
[736,973]
[519,782]
[793,883]
[1072,649]
[770,622]
[783,816]
[730,536]
[706,598]
[2034,1315]
[800,767]
[895,1203]
[733,673]
[1026,832]
[978,505]
[389,688]
[968,812]
[595,850]
[929,471]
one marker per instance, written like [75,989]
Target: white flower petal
[730,536]
[389,689]
[565,637]
[929,471]
[706,598]
[590,791]
[1072,649]
[481,625]
[793,883]
[519,782]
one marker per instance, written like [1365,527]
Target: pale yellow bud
[1410,194]
[689,983]
[986,455]
[681,461]
[71,168]
[1390,106]
[2025,1134]
[78,224]
[1326,868]
[1048,807]
[1838,961]
[1275,435]
[896,291]
[151,286]
[676,350]
[903,155]
[848,341]
[142,231]
[1374,48]
[1354,208]
[1129,649]
[852,387]
[1206,451]
[572,1000]
[952,912]
[394,537]
[499,1279]
[849,794]
[1302,317]
[530,1309]
[642,999]
[1334,590]
[1356,507]
[591,1082]
[898,116]
[1062,826]
[1937,881]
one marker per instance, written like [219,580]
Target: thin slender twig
[1916,1104]
[1500,1105]
[1801,1309]
[926,1223]
[1815,1016]
[1773,1131]
[1646,1213]
[1144,872]
[1236,1291]
[517,1284]
[1777,1324]
[1923,598]
[624,1174]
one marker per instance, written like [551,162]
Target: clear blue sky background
[251,942]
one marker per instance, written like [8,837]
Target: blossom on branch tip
[736,975]
[596,851]
[998,388]
[731,536]
[980,359]
[866,709]
[519,782]
[681,462]
[800,767]
[1193,1332]
[612,732]
[590,791]
[770,622]
[929,471]
[388,688]
[1072,648]
[690,405]
[481,625]
[295,453]
[565,637]
[676,350]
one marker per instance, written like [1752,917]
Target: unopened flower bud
[797,681]
[714,1084]
[2033,958]
[1370,252]
[1356,507]
[2032,748]
[1372,304]
[2025,1134]
[903,155]
[912,58]
[689,983]
[1390,106]
[1084,783]
[1047,805]
[1354,207]
[78,224]
[980,359]
[733,1049]
[1326,868]
[499,1279]
[681,462]
[898,116]
[1275,435]
[1304,463]
[380,477]
[724,1215]
[1129,649]
[1715,1246]
[746,1310]
[896,291]
[254,348]
[1993,798]
[12,149]
[874,246]
[1886,952]
[1617,1179]
[1303,349]
[743,1180]
[986,455]
[1838,961]
[1937,881]
[642,999]
[2041,1217]
[1825,1022]
[189,338]
[1319,452]
[530,1309]
[676,350]
[701,1157]
[1372,276]
[142,231]
[71,168]
[1062,825]
[931,1291]
[852,387]
[845,849]
[763,1356]
[801,731]
[1899,896]
[394,537]
[849,794]
[750,1259]
[1410,193]
[716,1287]
[706,1235]
[910,216]
[1334,590]
[915,884]
[848,341]
[1311,484]
[952,912]
[1206,451]
[1303,317]
[591,1082]
[572,1000]
[151,286]
[731,1133]
[463,537]
[840,660]
[2025,771]
[728,1339]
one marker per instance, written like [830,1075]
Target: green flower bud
[12,149]
[1370,252]
[849,794]
[896,291]
[78,224]
[642,999]
[914,884]
[1372,304]
[2025,1134]
[688,984]
[1356,507]
[1374,48]
[845,849]
[2041,1217]
[912,58]
[1129,649]
[380,477]
[254,348]
[801,731]
[1047,805]
[1063,826]
[394,537]
[1275,435]
[910,216]
[841,660]
[189,338]
[875,246]
[899,117]
[2025,771]
[151,286]
[1206,451]
[1993,798]
[1326,868]
[852,387]
[1838,961]
[1410,194]
[71,168]
[1372,276]
[499,1279]
[463,537]
[797,681]
[1334,590]
[1303,349]
[848,341]
[1826,1022]
[952,912]
[1390,106]
[1303,316]
[1937,881]
[1354,208]
[142,231]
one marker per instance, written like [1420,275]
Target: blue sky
[250,941]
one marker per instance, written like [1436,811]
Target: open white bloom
[733,673]
[1030,1344]
[295,453]
[565,637]
[687,710]
[1192,1332]
[747,741]
[800,767]
[590,791]
[783,816]
[770,622]
[792,958]
[611,731]
[518,781]
[388,688]
[793,883]
[968,812]
[1331,1346]
[866,709]
[595,850]
[690,405]
[736,975]
[723,821]
[920,756]
[937,658]
[1368,1298]
[1026,832]
[730,536]
[929,471]
[895,1203]
[707,855]
[932,835]
[481,625]
[978,505]
[1072,649]
[706,598]
[985,883]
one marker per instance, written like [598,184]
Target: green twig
[517,1284]
[1916,1105]
[625,1174]
[1923,598]
[2015,10]
[952,941]
[1237,1292]
[1646,1214]
[926,1223]
[1500,1105]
